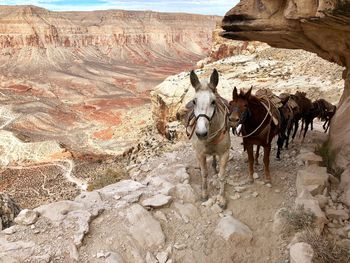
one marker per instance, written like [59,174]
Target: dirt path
[189,226]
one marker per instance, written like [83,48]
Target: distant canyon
[82,79]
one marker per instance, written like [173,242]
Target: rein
[267,114]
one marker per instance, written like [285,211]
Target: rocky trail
[157,215]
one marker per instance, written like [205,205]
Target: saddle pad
[267,93]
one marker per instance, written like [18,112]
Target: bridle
[219,105]
[245,115]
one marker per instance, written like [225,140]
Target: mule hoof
[278,158]
[250,181]
[267,181]
[221,201]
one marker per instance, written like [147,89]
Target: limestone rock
[310,158]
[143,227]
[121,188]
[58,211]
[8,210]
[301,253]
[229,227]
[337,214]
[156,201]
[315,183]
[114,257]
[185,192]
[162,257]
[27,217]
[310,203]
[150,258]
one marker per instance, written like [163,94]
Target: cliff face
[83,78]
[321,27]
[134,37]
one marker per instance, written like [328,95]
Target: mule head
[204,102]
[239,111]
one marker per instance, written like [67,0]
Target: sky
[208,7]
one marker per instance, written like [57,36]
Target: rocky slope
[321,27]
[78,77]
[157,216]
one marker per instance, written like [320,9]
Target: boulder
[143,227]
[337,214]
[301,253]
[58,211]
[315,183]
[156,201]
[27,217]
[229,227]
[310,158]
[306,200]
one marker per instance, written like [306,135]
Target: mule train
[256,118]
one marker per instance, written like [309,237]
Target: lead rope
[267,113]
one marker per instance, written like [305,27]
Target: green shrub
[297,219]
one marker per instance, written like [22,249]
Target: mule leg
[307,123]
[202,159]
[280,141]
[221,200]
[250,152]
[256,159]
[324,124]
[288,135]
[302,127]
[296,126]
[267,150]
[215,164]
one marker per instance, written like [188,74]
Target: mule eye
[194,102]
[213,102]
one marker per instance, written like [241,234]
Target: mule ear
[248,93]
[234,93]
[194,80]
[214,79]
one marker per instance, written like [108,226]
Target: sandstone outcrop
[321,27]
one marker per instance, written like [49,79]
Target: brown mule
[256,117]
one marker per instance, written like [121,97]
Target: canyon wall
[83,78]
[321,27]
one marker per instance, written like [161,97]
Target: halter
[246,114]
[219,105]
[205,115]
